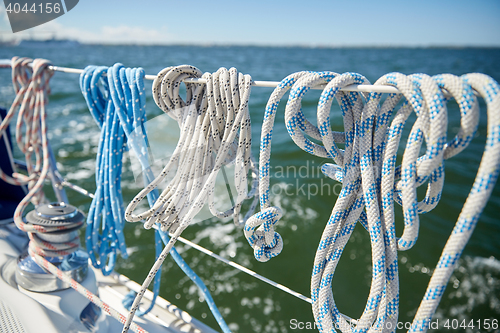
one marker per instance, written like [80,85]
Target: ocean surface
[247,304]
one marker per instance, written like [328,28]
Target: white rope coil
[215,130]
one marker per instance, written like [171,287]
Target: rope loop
[295,120]
[257,238]
[31,98]
[372,182]
[95,96]
[105,222]
[215,130]
[265,241]
[31,84]
[484,183]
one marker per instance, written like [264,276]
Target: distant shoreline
[223,45]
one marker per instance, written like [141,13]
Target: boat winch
[60,247]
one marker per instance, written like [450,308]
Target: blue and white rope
[259,229]
[371,180]
[484,183]
[127,92]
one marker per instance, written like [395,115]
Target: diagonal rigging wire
[210,253]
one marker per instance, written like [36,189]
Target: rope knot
[260,234]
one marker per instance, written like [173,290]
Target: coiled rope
[215,130]
[484,183]
[371,181]
[104,233]
[127,92]
[32,90]
[125,89]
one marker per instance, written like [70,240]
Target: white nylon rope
[259,229]
[210,253]
[373,146]
[371,180]
[215,130]
[481,190]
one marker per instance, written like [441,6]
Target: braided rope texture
[31,85]
[125,89]
[85,292]
[371,181]
[215,131]
[104,233]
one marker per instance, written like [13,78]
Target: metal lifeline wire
[209,253]
[267,84]
[370,128]
[28,65]
[372,181]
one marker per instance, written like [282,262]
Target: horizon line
[291,45]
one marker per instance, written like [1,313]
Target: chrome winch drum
[29,274]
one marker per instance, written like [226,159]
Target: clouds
[105,34]
[121,34]
[279,22]
[137,35]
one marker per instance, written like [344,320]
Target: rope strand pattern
[125,89]
[371,181]
[86,293]
[104,233]
[215,131]
[32,90]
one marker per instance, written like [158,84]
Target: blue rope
[104,237]
[125,87]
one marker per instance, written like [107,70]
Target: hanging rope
[21,79]
[371,181]
[484,183]
[104,233]
[215,130]
[366,167]
[125,88]
[32,90]
[259,229]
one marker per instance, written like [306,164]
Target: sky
[275,22]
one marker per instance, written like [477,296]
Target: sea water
[298,186]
